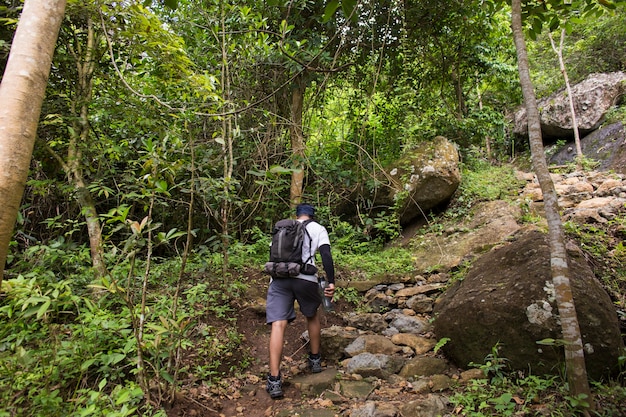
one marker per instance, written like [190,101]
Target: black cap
[305,209]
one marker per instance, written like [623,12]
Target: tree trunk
[574,354]
[559,54]
[297,141]
[78,138]
[227,148]
[21,94]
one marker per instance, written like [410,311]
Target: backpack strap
[311,252]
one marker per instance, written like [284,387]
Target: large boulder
[424,178]
[593,97]
[507,298]
[606,145]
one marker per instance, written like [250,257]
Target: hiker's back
[287,239]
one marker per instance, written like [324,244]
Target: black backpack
[286,251]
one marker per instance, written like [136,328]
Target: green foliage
[483,182]
[54,335]
[458,274]
[494,366]
[616,114]
[610,396]
[441,343]
[604,244]
[369,234]
[594,45]
[376,263]
[504,393]
[156,138]
[52,339]
[348,294]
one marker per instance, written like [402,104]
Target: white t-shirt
[317,236]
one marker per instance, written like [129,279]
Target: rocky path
[375,365]
[382,361]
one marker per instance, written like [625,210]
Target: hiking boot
[315,364]
[274,387]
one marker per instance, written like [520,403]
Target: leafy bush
[506,393]
[70,350]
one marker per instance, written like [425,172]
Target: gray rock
[378,301]
[315,384]
[335,339]
[606,144]
[366,321]
[420,303]
[407,324]
[371,344]
[507,299]
[426,177]
[592,97]
[356,389]
[376,365]
[372,409]
[423,366]
[431,406]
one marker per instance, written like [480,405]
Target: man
[283,292]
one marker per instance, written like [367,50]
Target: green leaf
[172,4]
[277,169]
[166,376]
[43,309]
[537,24]
[548,341]
[123,397]
[256,173]
[554,24]
[348,6]
[330,10]
[161,186]
[87,364]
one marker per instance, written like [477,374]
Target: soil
[244,394]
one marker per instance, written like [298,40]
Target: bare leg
[276,346]
[315,329]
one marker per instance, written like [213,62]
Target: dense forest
[174,133]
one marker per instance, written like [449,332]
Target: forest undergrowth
[126,344]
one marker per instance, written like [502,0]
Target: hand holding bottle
[327,291]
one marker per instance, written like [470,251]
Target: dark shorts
[283,292]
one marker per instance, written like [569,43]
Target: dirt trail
[244,395]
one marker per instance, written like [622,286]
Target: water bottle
[328,304]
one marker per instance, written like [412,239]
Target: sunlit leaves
[172,4]
[557,13]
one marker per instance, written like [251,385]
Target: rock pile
[593,197]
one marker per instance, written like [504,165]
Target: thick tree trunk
[574,354]
[297,142]
[21,94]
